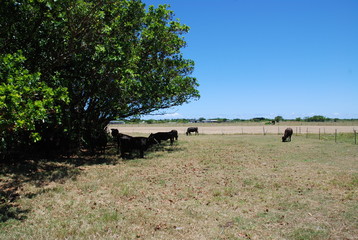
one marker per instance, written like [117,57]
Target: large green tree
[116,58]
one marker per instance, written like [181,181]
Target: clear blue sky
[264,58]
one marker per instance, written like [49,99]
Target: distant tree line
[316,118]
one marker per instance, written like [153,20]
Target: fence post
[335,136]
[355,136]
[319,134]
[307,133]
[264,130]
[296,131]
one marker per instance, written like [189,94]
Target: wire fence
[327,134]
[346,134]
[337,136]
[321,133]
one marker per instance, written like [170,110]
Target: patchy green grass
[349,138]
[203,187]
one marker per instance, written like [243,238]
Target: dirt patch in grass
[202,187]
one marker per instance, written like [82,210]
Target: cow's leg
[118,145]
[123,154]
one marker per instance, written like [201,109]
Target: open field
[203,187]
[233,128]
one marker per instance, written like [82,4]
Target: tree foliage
[24,102]
[278,118]
[115,57]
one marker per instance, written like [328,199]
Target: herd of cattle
[126,144]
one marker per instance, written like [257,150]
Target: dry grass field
[203,187]
[234,128]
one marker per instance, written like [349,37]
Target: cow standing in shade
[163,136]
[114,133]
[128,144]
[96,140]
[192,129]
[287,135]
[117,137]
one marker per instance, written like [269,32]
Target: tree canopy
[96,60]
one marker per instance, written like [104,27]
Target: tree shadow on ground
[159,149]
[41,172]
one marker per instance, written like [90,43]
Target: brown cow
[287,135]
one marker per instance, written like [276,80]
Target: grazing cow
[128,144]
[163,136]
[287,135]
[192,129]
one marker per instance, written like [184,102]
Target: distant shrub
[317,118]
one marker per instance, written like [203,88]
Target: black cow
[100,141]
[287,135]
[114,133]
[117,136]
[163,136]
[95,141]
[175,134]
[192,129]
[128,144]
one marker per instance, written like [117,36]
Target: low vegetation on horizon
[277,119]
[202,187]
